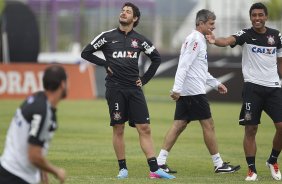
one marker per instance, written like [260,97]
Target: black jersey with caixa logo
[122,52]
[259,56]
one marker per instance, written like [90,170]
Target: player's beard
[125,22]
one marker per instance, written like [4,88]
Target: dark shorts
[192,108]
[8,178]
[257,98]
[127,105]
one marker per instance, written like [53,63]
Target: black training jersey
[122,52]
[259,56]
[33,123]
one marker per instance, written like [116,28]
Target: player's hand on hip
[109,71]
[139,83]
[175,96]
[222,89]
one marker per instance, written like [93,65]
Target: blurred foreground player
[31,129]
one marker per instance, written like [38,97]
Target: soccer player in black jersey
[261,59]
[121,47]
[33,126]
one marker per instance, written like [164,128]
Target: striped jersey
[259,56]
[192,74]
[33,123]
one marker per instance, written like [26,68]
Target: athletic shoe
[160,174]
[251,176]
[166,169]
[274,169]
[226,168]
[123,173]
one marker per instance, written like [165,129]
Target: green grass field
[82,144]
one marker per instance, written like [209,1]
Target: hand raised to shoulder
[210,37]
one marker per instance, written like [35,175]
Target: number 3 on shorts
[116,106]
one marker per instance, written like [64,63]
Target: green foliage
[2,5]
[274,9]
[83,142]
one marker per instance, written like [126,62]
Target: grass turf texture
[83,142]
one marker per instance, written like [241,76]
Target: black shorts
[8,178]
[192,108]
[257,98]
[127,105]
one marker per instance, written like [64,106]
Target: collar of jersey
[124,32]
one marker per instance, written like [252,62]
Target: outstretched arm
[221,42]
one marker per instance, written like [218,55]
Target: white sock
[162,157]
[217,160]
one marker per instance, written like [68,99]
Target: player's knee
[179,126]
[144,129]
[278,127]
[251,130]
[118,130]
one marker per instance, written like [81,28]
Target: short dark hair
[136,12]
[204,16]
[53,77]
[258,6]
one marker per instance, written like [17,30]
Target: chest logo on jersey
[134,43]
[124,54]
[263,50]
[270,40]
[99,43]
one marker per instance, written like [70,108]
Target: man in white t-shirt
[189,92]
[261,59]
[32,128]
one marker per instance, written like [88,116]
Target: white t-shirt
[33,123]
[259,56]
[192,74]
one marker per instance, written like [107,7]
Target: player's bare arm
[221,42]
[36,158]
[44,177]
[210,37]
